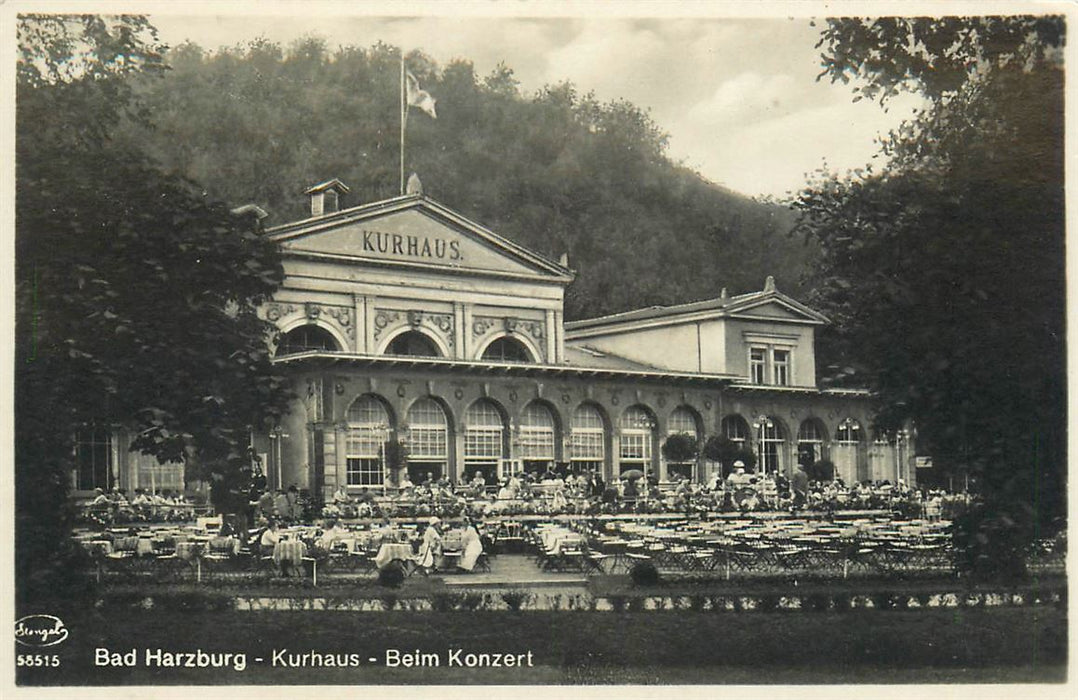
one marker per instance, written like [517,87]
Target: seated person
[270,537]
[100,499]
[386,531]
[471,545]
[333,533]
[341,497]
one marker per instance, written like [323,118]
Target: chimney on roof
[769,284]
[724,295]
[325,197]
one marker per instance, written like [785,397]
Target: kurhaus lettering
[411,246]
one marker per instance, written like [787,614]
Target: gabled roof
[738,306]
[334,184]
[292,235]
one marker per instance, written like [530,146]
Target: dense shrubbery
[644,573]
[392,575]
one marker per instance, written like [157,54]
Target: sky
[738,96]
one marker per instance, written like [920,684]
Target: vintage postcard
[536,345]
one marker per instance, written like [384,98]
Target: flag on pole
[417,97]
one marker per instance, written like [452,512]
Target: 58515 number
[37,660]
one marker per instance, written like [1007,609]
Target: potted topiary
[680,447]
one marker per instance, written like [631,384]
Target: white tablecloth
[389,552]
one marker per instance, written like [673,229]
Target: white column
[359,303]
[460,330]
[553,355]
[368,325]
[466,348]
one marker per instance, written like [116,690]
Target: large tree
[944,270]
[135,293]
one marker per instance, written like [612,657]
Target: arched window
[507,350]
[881,457]
[637,429]
[484,440]
[536,437]
[413,343]
[771,440]
[845,451]
[428,440]
[810,442]
[368,430]
[735,429]
[849,432]
[306,338]
[682,421]
[588,449]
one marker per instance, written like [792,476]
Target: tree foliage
[680,447]
[135,293]
[725,451]
[944,272]
[557,171]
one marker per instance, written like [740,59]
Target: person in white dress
[471,546]
[430,551]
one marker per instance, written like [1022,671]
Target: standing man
[800,485]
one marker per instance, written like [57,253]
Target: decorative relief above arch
[342,316]
[388,320]
[481,325]
[275,311]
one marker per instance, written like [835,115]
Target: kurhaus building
[402,322]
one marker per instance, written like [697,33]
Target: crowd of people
[552,493]
[115,506]
[548,492]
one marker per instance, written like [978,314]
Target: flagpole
[404,117]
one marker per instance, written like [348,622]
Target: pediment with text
[420,233]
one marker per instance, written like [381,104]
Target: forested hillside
[556,171]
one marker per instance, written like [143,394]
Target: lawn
[983,645]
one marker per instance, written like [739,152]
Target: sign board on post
[922,462]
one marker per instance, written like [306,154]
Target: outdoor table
[225,545]
[390,551]
[290,551]
[188,550]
